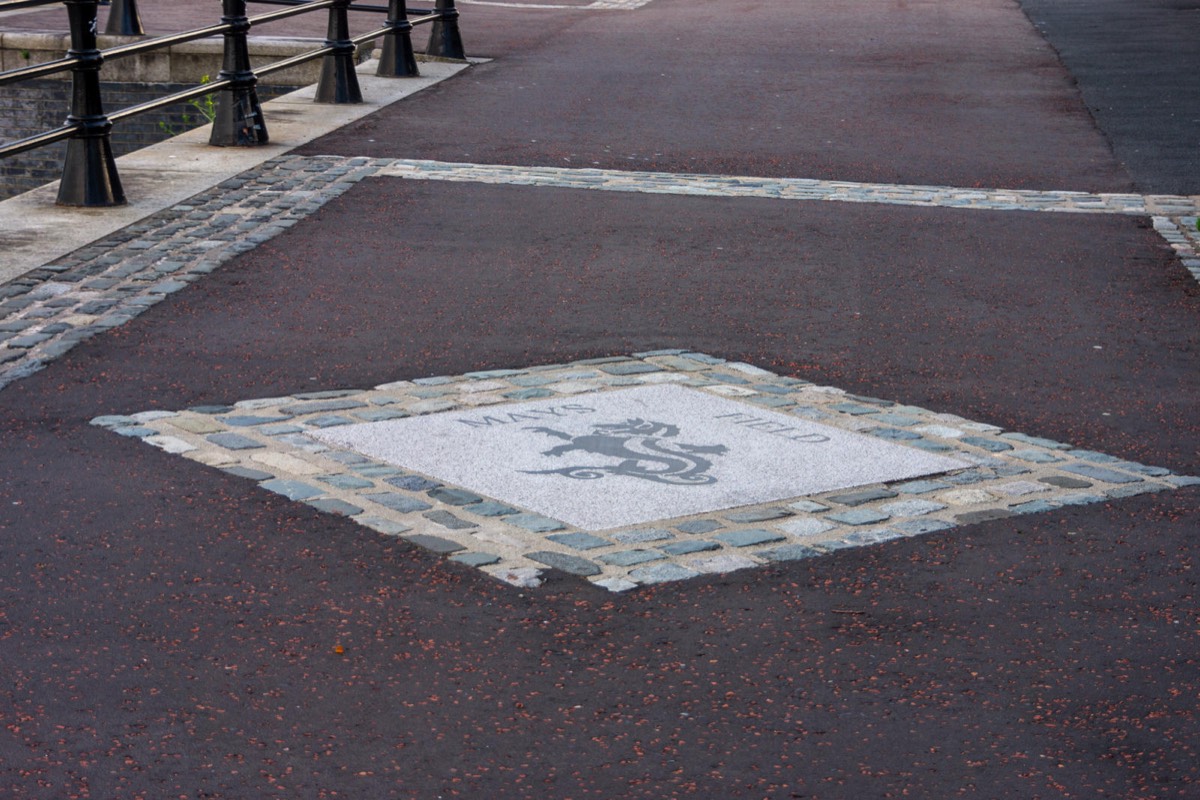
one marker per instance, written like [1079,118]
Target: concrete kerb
[34,231]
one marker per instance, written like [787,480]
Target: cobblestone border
[47,311]
[1174,206]
[1183,235]
[267,440]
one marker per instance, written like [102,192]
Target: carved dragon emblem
[641,451]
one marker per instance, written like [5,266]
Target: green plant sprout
[206,105]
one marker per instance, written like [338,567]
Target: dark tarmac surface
[169,631]
[1136,64]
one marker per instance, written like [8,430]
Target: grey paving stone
[1036,456]
[628,558]
[389,527]
[380,414]
[332,505]
[893,434]
[809,526]
[579,541]
[475,559]
[969,476]
[643,535]
[454,497]
[899,420]
[987,443]
[1093,456]
[567,563]
[448,520]
[292,490]
[1033,507]
[746,538]
[911,508]
[398,502]
[788,552]
[699,526]
[1142,469]
[112,420]
[770,401]
[1079,499]
[232,441]
[758,515]
[136,431]
[302,442]
[211,409]
[1182,480]
[1063,482]
[532,381]
[248,420]
[1101,473]
[28,340]
[490,508]
[922,487]
[246,472]
[630,368]
[858,516]
[1134,489]
[535,523]
[374,470]
[862,497]
[317,406]
[688,546]
[279,430]
[1036,441]
[873,537]
[435,543]
[662,573]
[931,446]
[854,409]
[413,483]
[533,393]
[331,421]
[808,506]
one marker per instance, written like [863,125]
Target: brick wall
[36,106]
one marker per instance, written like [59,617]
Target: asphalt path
[1136,63]
[172,631]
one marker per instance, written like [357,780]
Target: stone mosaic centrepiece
[636,470]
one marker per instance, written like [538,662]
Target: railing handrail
[238,117]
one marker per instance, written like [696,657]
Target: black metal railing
[89,176]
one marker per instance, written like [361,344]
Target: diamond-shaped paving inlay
[638,470]
[633,456]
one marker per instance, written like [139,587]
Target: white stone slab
[631,456]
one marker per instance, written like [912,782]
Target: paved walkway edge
[34,231]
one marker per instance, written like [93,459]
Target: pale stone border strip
[266,440]
[797,189]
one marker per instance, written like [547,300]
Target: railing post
[339,81]
[123,19]
[239,117]
[445,40]
[89,172]
[397,59]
